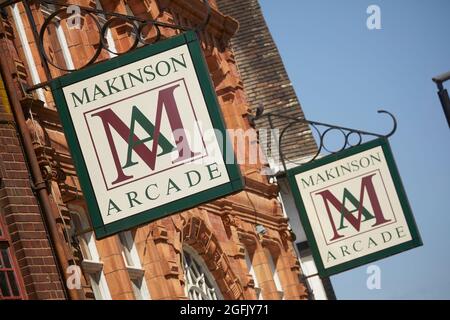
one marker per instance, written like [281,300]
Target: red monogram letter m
[366,184]
[166,100]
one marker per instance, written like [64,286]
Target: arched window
[200,284]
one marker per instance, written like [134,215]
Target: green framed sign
[146,134]
[353,207]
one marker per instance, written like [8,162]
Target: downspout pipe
[39,183]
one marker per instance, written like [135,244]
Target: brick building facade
[213,251]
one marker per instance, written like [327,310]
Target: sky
[343,73]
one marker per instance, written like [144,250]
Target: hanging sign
[353,207]
[146,134]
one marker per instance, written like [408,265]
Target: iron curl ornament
[351,137]
[102,22]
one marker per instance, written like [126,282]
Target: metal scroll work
[349,137]
[141,31]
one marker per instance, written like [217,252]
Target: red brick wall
[22,215]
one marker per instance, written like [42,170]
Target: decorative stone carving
[159,233]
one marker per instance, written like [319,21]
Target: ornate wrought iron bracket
[136,24]
[351,137]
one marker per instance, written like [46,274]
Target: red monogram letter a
[166,100]
[366,184]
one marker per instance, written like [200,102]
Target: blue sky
[343,73]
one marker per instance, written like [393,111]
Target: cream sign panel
[146,133]
[353,208]
[129,136]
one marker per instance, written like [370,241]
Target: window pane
[126,250]
[86,253]
[13,283]
[95,284]
[5,257]
[136,284]
[4,289]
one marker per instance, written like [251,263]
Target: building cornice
[221,26]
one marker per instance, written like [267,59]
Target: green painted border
[236,182]
[416,240]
